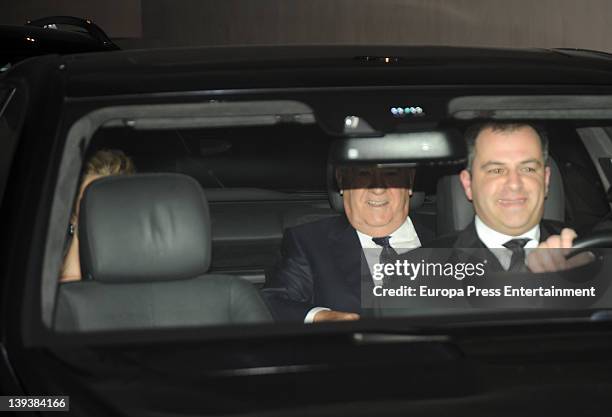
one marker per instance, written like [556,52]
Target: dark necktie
[388,254]
[517,262]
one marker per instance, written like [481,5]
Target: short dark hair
[498,126]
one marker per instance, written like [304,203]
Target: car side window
[12,112]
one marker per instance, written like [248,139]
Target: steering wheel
[600,239]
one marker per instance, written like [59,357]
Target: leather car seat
[145,247]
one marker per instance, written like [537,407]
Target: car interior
[252,181]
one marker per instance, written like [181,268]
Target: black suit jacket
[321,265]
[468,238]
[463,247]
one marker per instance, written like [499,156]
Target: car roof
[189,69]
[19,42]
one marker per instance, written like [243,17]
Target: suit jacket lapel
[425,235]
[468,239]
[347,252]
[549,228]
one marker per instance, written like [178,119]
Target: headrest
[455,211]
[337,203]
[146,227]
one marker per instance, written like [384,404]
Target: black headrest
[337,203]
[146,227]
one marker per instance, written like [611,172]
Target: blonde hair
[105,162]
[109,162]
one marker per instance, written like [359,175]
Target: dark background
[162,23]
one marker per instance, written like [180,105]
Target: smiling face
[377,200]
[509,179]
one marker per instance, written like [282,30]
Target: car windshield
[288,211]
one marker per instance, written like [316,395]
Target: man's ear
[546,179]
[466,181]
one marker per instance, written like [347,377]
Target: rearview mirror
[439,147]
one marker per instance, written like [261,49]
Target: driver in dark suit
[507,178]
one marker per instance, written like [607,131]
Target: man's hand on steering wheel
[551,255]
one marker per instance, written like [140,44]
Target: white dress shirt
[492,239]
[402,240]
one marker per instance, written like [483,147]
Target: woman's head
[103,163]
[109,162]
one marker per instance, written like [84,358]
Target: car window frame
[16,97]
[80,134]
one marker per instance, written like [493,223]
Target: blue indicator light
[407,111]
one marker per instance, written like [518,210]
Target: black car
[253,128]
[51,35]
